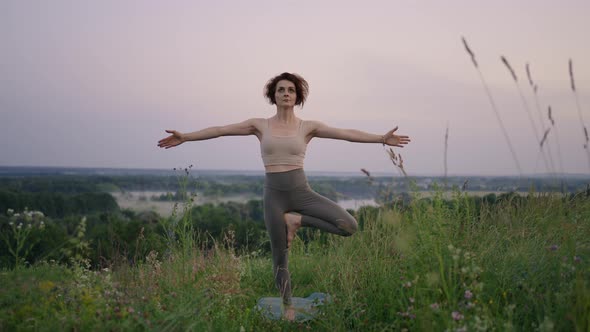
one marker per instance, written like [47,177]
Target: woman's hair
[301,87]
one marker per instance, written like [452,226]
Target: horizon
[253,172]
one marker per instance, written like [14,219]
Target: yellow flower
[46,286]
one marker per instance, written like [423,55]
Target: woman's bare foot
[293,222]
[289,313]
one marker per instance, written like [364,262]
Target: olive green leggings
[289,192]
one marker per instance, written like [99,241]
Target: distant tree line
[215,186]
[58,205]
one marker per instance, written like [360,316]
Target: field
[520,264]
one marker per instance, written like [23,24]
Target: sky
[95,84]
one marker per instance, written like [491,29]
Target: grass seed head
[469,51]
[505,61]
[571,69]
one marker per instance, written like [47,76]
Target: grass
[523,264]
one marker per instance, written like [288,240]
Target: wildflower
[9,212]
[411,300]
[553,247]
[11,223]
[20,225]
[434,306]
[577,259]
[408,284]
[29,226]
[468,295]
[130,310]
[457,315]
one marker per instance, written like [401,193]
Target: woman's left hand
[390,138]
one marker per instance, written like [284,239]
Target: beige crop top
[282,150]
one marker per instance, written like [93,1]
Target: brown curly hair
[301,87]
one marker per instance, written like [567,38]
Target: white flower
[11,223]
[10,212]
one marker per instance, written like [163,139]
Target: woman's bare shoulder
[257,122]
[312,124]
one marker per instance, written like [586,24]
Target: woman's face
[285,94]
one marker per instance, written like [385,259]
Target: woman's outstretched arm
[321,130]
[244,128]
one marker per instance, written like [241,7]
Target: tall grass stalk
[446,152]
[179,230]
[494,108]
[544,129]
[556,135]
[525,106]
[584,129]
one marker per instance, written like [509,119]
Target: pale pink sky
[95,84]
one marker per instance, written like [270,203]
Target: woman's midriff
[280,168]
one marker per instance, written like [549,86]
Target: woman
[289,202]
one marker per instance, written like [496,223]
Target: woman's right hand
[171,141]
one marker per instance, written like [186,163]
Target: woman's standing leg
[274,201]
